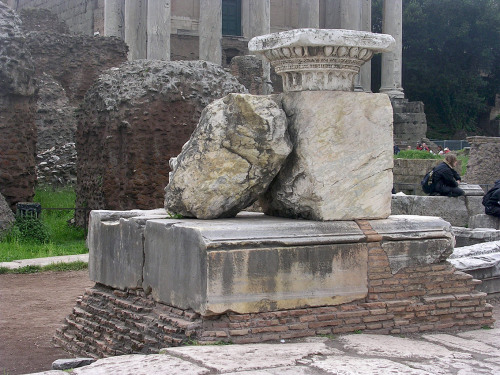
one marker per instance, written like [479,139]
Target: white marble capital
[319,59]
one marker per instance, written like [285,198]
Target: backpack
[427,185]
[487,196]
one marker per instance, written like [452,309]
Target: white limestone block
[341,164]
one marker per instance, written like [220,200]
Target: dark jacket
[491,200]
[445,180]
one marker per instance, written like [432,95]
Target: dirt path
[32,307]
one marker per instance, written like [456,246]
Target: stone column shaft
[366,25]
[350,19]
[210,31]
[309,14]
[158,29]
[136,28]
[392,61]
[114,18]
[332,16]
[256,19]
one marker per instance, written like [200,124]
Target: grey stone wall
[78,14]
[484,160]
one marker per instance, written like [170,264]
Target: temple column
[210,31]
[332,16]
[350,19]
[114,18]
[136,28]
[366,25]
[256,19]
[392,61]
[158,29]
[309,14]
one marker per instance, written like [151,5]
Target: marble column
[309,14]
[114,13]
[256,20]
[332,16]
[136,28]
[366,25]
[392,61]
[350,19]
[210,31]
[158,29]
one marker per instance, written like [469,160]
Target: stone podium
[163,281]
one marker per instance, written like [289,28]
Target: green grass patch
[73,266]
[416,154]
[52,235]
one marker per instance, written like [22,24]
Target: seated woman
[491,200]
[445,178]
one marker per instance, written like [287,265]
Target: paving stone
[251,357]
[463,344]
[489,337]
[141,365]
[389,346]
[359,366]
[277,371]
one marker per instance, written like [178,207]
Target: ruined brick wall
[428,298]
[17,109]
[133,120]
[75,61]
[79,15]
[484,160]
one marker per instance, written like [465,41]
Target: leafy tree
[451,59]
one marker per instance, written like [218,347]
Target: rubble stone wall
[78,14]
[484,159]
[17,110]
[435,297]
[133,120]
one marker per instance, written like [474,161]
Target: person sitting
[446,150]
[491,200]
[419,146]
[425,147]
[440,150]
[445,179]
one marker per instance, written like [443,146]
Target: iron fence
[453,145]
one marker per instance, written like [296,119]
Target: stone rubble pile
[57,165]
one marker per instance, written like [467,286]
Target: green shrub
[28,229]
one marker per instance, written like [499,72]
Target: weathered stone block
[115,238]
[254,263]
[456,210]
[484,221]
[341,164]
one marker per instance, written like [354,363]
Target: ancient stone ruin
[17,111]
[134,119]
[161,280]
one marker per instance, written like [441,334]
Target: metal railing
[453,145]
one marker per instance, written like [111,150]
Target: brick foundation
[434,297]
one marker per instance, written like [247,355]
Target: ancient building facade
[218,30]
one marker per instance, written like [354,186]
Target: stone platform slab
[254,263]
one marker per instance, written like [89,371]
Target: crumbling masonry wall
[17,109]
[134,119]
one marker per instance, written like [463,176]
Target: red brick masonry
[429,298]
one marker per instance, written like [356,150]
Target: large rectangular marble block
[254,263]
[341,164]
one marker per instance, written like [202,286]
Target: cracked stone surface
[233,155]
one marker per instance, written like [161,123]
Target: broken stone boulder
[341,164]
[233,155]
[133,120]
[17,110]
